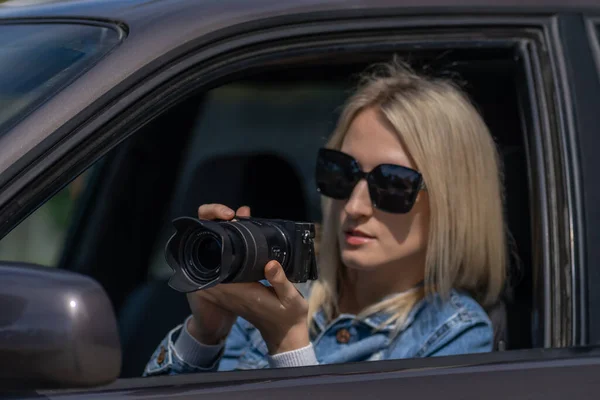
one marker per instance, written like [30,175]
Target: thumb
[284,289]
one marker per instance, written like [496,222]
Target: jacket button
[343,336]
[161,355]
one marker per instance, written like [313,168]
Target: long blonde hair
[454,150]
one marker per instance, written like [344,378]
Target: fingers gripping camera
[203,253]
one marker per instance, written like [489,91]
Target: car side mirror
[57,330]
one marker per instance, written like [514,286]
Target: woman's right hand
[210,322]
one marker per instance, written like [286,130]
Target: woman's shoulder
[436,309]
[455,324]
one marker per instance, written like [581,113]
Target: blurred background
[40,237]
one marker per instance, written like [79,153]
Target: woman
[413,245]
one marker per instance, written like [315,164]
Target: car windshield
[36,60]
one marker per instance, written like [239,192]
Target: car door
[551,162]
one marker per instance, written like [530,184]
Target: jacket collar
[374,320]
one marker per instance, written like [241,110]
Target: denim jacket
[434,327]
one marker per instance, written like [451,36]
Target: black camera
[205,253]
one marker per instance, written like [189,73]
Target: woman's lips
[357,238]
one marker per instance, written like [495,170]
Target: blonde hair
[454,151]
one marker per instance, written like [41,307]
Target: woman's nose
[359,204]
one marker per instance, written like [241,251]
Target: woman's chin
[358,260]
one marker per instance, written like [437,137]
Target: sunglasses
[393,188]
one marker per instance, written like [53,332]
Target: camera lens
[207,252]
[202,255]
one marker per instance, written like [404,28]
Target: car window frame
[102,136]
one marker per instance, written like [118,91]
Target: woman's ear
[422,197]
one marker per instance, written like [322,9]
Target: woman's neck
[361,289]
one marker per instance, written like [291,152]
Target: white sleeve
[295,358]
[193,352]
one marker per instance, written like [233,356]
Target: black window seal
[556,265]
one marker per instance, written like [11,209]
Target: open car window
[38,59]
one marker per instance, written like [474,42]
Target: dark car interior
[242,142]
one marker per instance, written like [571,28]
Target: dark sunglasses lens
[335,174]
[394,188]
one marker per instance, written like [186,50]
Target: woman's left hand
[278,312]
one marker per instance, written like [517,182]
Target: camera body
[204,253]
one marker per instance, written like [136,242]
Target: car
[118,116]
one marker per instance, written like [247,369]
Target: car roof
[132,11]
